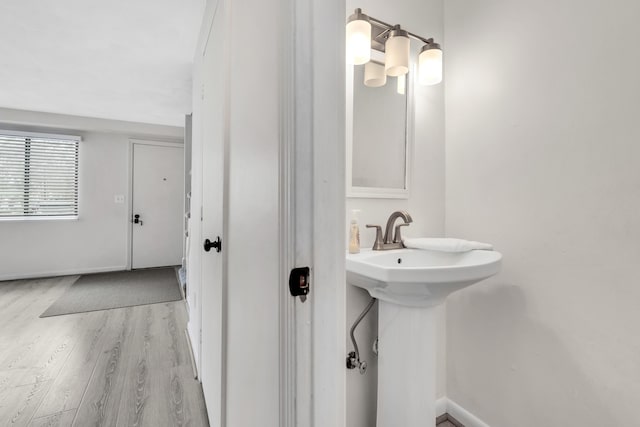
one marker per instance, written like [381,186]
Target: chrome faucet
[392,239]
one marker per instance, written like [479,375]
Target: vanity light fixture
[397,50]
[430,64]
[358,38]
[374,75]
[365,33]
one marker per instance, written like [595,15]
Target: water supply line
[353,358]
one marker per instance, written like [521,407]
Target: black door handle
[217,244]
[136,219]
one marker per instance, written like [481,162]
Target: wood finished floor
[119,367]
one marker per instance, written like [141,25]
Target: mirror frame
[377,192]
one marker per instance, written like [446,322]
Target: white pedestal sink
[409,283]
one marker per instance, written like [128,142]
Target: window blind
[38,175]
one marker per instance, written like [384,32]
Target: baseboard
[181,285]
[191,356]
[445,405]
[441,406]
[73,272]
[192,337]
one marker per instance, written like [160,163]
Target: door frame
[312,208]
[132,142]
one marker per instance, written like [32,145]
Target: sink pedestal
[406,366]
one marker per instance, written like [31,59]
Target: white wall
[542,161]
[98,240]
[425,204]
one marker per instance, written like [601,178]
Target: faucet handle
[397,236]
[379,243]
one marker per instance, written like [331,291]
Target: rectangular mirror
[378,130]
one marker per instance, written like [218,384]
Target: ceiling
[113,59]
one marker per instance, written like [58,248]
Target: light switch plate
[119,199]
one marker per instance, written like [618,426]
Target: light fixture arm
[388,27]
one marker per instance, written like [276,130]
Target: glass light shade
[358,42]
[397,53]
[402,84]
[430,65]
[374,75]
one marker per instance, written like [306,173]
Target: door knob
[217,244]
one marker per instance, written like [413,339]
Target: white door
[212,121]
[157,205]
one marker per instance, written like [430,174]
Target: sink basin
[416,277]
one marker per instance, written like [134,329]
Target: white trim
[446,405]
[325,72]
[40,218]
[129,213]
[155,142]
[195,335]
[24,118]
[289,365]
[191,355]
[303,196]
[22,134]
[57,273]
[441,406]
[377,193]
[319,180]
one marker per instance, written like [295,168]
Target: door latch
[299,283]
[136,219]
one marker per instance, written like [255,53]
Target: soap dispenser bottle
[354,233]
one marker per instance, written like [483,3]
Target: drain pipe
[353,358]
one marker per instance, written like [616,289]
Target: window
[38,175]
